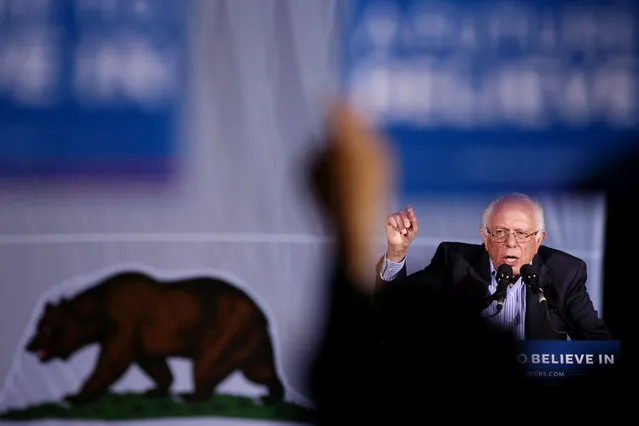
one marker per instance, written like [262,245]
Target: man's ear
[484,236]
[542,237]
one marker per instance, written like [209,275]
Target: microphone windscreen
[505,270]
[528,270]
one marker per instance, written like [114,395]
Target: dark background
[620,182]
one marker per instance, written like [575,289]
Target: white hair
[538,210]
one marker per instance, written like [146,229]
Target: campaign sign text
[89,86]
[496,95]
[559,360]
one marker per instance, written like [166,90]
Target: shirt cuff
[390,269]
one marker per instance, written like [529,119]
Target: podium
[560,361]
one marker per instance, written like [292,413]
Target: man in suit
[356,378]
[512,231]
[425,355]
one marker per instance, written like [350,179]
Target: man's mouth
[511,260]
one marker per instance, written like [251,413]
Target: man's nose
[511,241]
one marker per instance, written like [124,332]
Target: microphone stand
[500,294]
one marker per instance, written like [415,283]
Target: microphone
[503,276]
[531,279]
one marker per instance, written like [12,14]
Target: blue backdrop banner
[89,86]
[496,95]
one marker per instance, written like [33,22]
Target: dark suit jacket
[355,380]
[459,275]
[435,352]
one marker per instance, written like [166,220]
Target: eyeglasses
[501,235]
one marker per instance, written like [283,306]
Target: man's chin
[513,263]
[46,358]
[516,269]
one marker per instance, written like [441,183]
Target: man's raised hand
[401,228]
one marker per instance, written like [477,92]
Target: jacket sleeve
[391,295]
[581,312]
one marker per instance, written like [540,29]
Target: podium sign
[560,360]
[496,95]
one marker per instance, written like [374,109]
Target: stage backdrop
[236,128]
[496,95]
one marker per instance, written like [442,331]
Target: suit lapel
[483,266]
[477,268]
[535,312]
[470,279]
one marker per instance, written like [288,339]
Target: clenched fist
[401,228]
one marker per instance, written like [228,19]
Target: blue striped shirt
[513,314]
